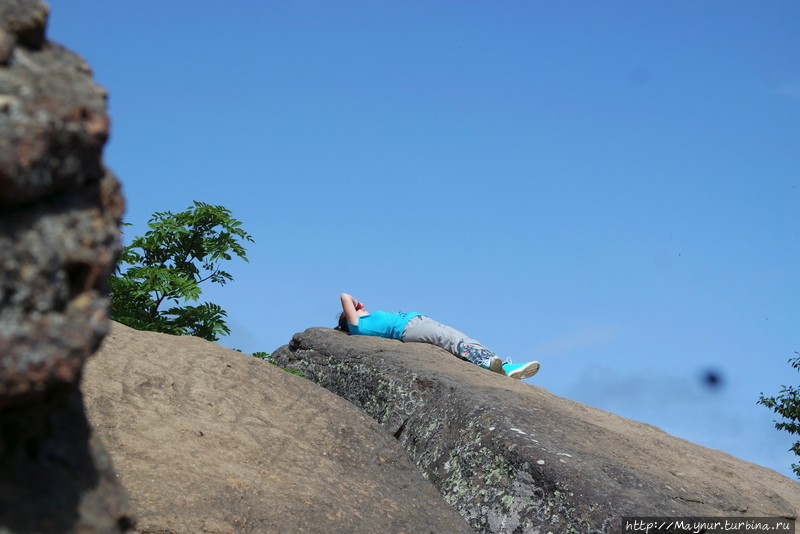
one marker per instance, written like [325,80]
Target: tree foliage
[787,405]
[161,271]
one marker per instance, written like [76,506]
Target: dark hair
[343,323]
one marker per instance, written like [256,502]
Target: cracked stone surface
[512,457]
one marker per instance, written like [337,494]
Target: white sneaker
[521,370]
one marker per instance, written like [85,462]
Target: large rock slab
[59,239]
[206,439]
[511,457]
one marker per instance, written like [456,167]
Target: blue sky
[610,188]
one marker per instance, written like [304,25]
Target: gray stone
[55,255]
[59,239]
[7,42]
[55,475]
[26,19]
[206,439]
[59,212]
[52,115]
[511,457]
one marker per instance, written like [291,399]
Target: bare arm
[349,305]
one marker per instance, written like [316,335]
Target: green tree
[787,404]
[166,266]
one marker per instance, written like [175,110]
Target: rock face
[206,439]
[511,457]
[59,209]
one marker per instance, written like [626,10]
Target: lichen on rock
[511,457]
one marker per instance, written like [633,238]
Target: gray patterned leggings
[422,329]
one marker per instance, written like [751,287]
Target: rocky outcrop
[511,457]
[206,439]
[59,210]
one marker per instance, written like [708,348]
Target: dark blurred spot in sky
[712,379]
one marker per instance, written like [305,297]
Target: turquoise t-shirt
[382,324]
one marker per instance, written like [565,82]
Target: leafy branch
[168,264]
[787,404]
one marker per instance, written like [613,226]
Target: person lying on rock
[415,327]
